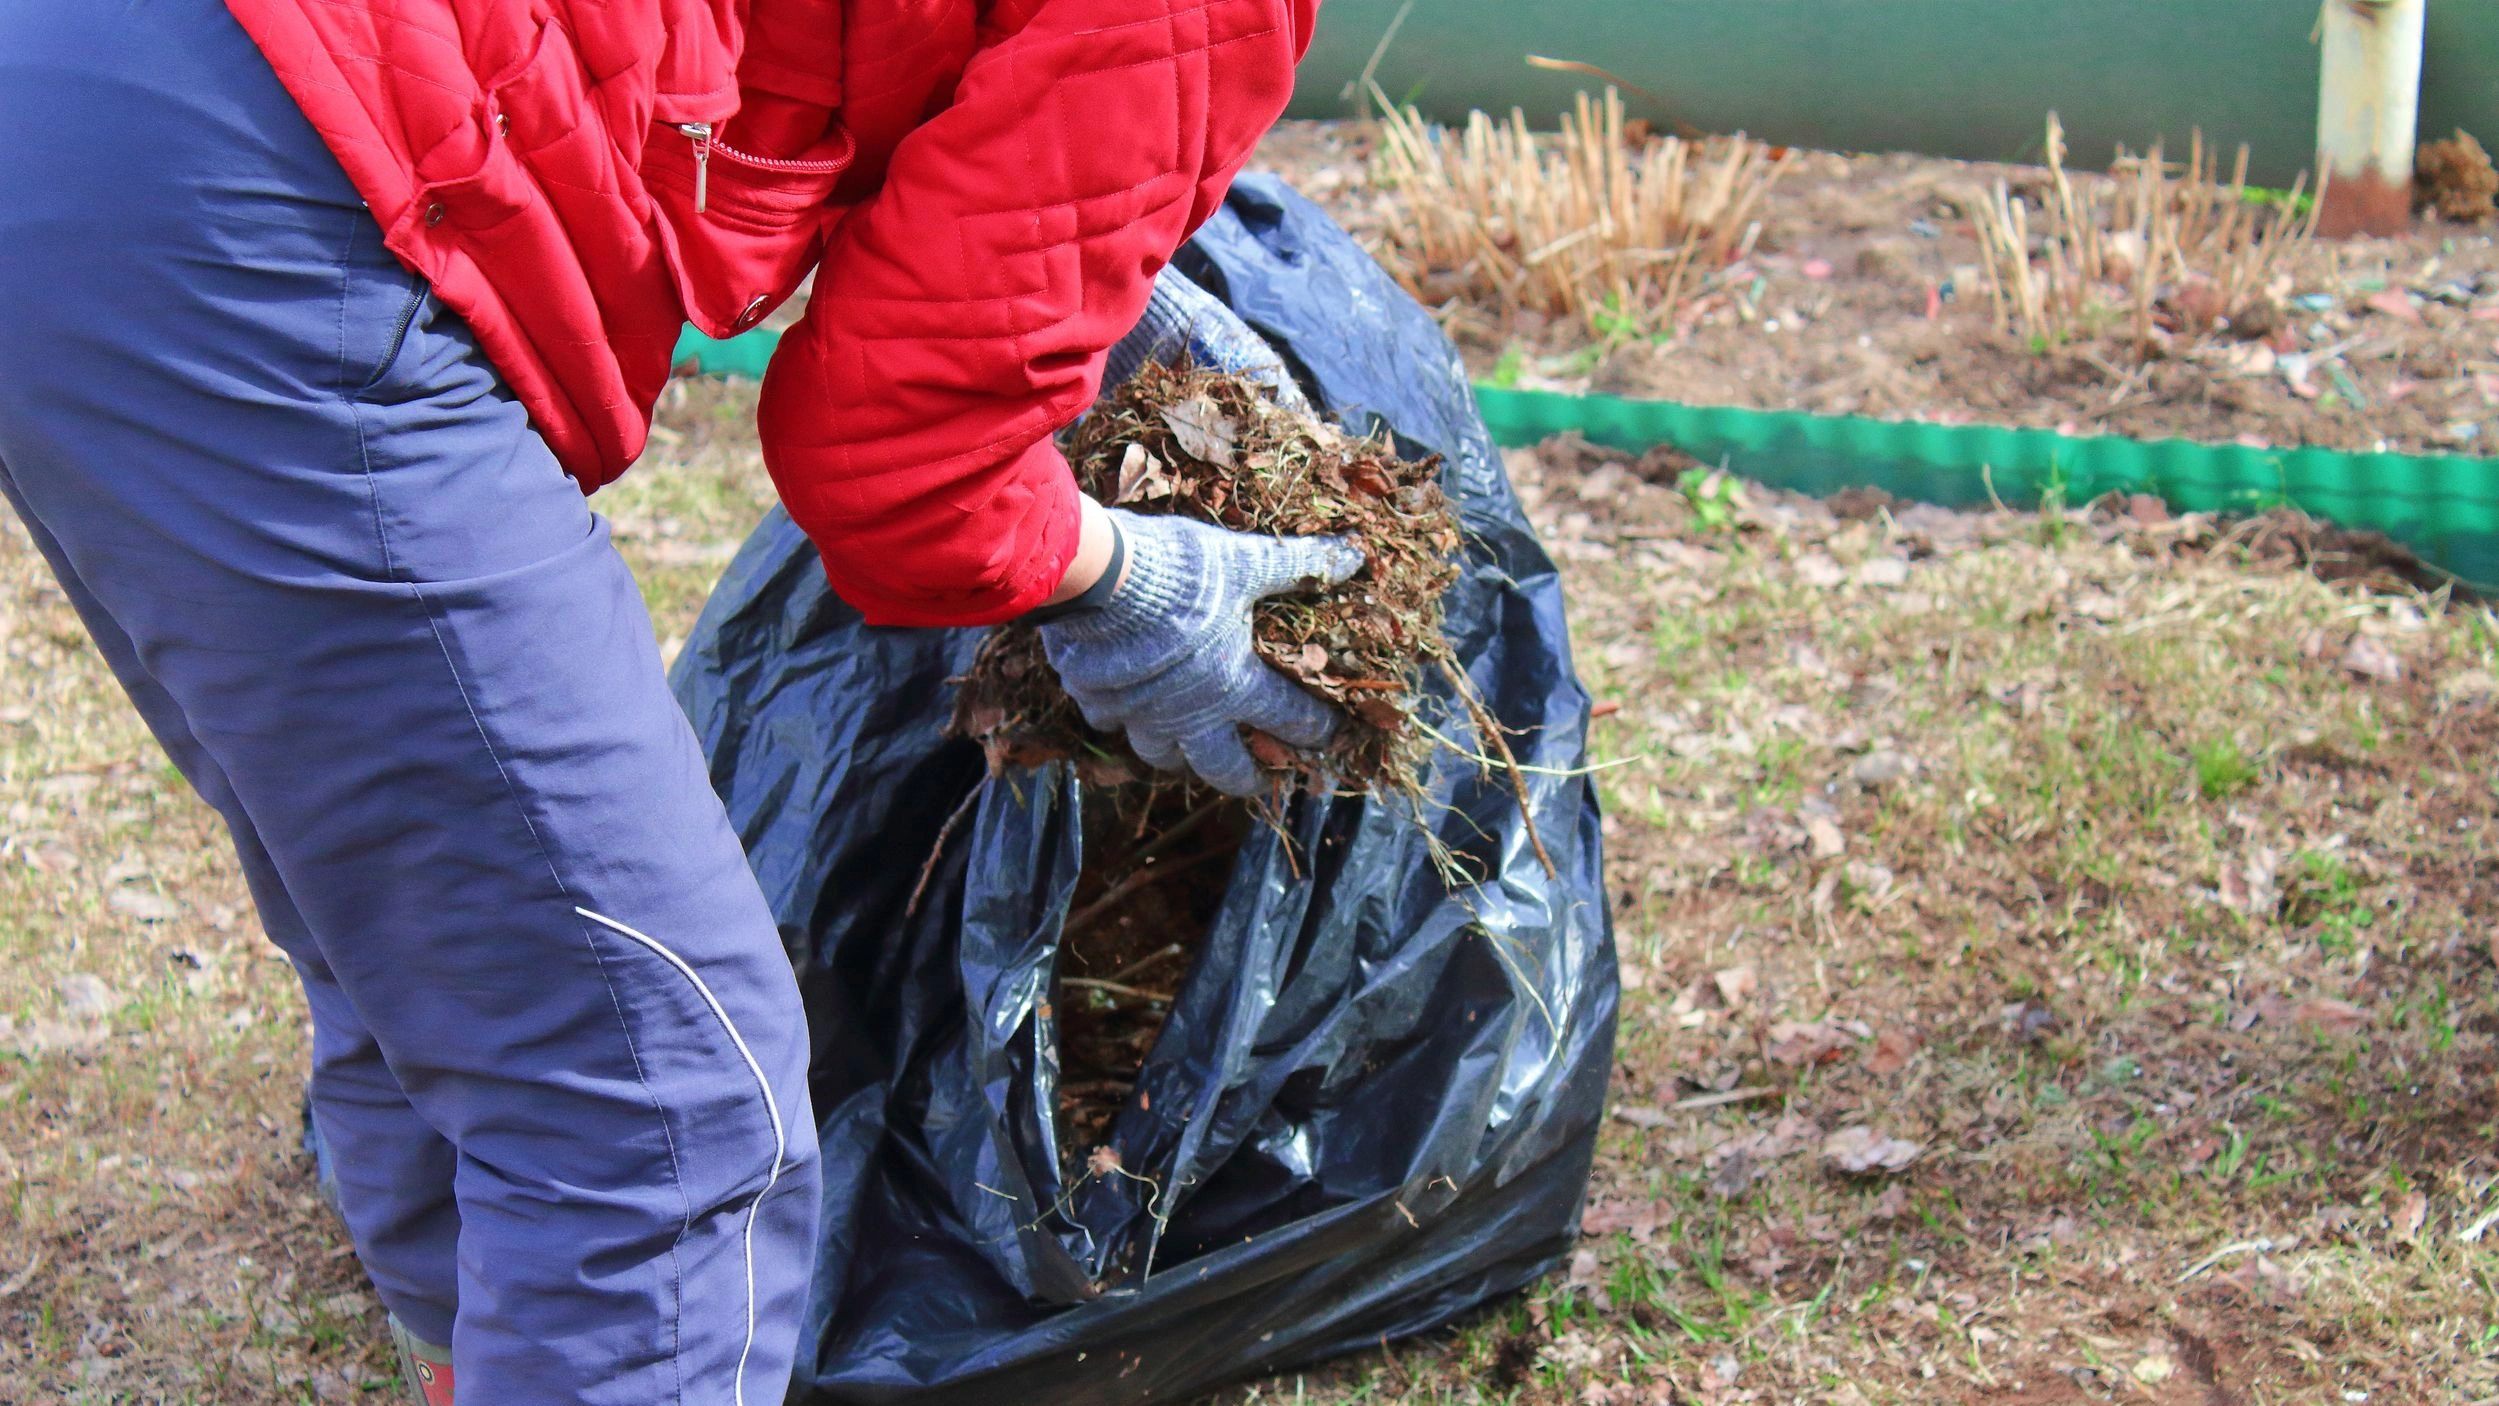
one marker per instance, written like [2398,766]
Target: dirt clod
[2455,176]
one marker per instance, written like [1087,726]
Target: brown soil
[1157,862]
[1863,294]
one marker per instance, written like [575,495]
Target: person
[318,318]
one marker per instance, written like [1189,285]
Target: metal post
[2368,103]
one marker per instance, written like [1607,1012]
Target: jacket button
[434,213]
[754,310]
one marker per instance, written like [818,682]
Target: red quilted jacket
[984,189]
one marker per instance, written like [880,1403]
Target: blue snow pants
[558,1052]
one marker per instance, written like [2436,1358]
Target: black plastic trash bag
[1375,1101]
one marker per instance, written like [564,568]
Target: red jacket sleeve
[960,315]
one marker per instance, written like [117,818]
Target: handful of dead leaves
[1215,446]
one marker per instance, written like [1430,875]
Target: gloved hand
[1167,658]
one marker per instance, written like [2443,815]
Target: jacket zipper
[700,133]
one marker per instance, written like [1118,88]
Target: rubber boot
[424,1367]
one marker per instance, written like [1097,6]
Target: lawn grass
[2076,855]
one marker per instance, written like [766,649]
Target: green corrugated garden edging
[2443,506]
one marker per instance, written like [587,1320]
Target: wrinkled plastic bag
[1376,1099]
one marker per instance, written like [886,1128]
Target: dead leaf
[2330,1015]
[2395,303]
[42,1037]
[1892,1204]
[1861,1151]
[1798,1043]
[2029,1021]
[1823,836]
[1587,1274]
[1313,660]
[1641,1115]
[1734,1176]
[1890,1052]
[1141,477]
[1378,711]
[1882,767]
[1815,569]
[144,906]
[1638,1219]
[85,997]
[2409,1215]
[1271,753]
[1202,431]
[2369,659]
[1366,477]
[1735,984]
[2253,887]
[2097,605]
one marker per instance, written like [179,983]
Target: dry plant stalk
[1592,219]
[2111,247]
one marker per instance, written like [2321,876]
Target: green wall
[1970,78]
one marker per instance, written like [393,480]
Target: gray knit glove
[1168,657]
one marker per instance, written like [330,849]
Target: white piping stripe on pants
[772,1107]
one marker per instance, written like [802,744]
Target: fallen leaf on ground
[1823,837]
[85,997]
[2409,1214]
[1881,768]
[1891,1051]
[1736,984]
[1799,1043]
[2097,605]
[1861,1151]
[2369,659]
[1638,1219]
[2333,1016]
[2394,303]
[1815,569]
[145,906]
[1734,1176]
[2028,1021]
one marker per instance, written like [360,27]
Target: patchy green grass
[2074,864]
[2082,859]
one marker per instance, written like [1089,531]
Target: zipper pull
[701,133]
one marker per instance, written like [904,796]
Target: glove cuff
[1158,585]
[1095,597]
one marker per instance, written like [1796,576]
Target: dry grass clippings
[1216,447]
